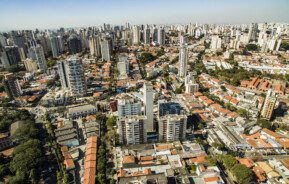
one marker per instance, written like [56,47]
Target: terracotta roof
[248,162]
[271,133]
[146,158]
[211,179]
[164,147]
[128,159]
[260,173]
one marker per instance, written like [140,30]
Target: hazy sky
[30,14]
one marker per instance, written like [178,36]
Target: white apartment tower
[148,98]
[94,46]
[191,85]
[147,35]
[172,127]
[39,57]
[183,61]
[123,67]
[106,49]
[136,35]
[216,42]
[128,106]
[269,105]
[132,130]
[161,36]
[71,75]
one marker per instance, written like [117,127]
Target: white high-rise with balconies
[172,127]
[71,73]
[132,130]
[136,35]
[148,98]
[183,60]
[216,42]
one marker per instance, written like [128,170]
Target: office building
[269,105]
[71,73]
[183,61]
[11,85]
[132,130]
[148,98]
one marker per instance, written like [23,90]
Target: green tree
[228,161]
[252,47]
[242,174]
[111,121]
[264,123]
[26,157]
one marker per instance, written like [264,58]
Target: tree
[26,157]
[211,161]
[228,161]
[242,112]
[264,123]
[26,132]
[111,121]
[252,47]
[146,57]
[51,63]
[242,174]
[193,168]
[224,88]
[285,45]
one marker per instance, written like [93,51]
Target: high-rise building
[71,73]
[36,53]
[60,44]
[54,46]
[94,46]
[269,105]
[191,85]
[147,35]
[123,67]
[128,106]
[183,60]
[106,49]
[30,64]
[3,41]
[132,130]
[161,36]
[172,127]
[10,56]
[136,35]
[11,85]
[74,44]
[148,98]
[253,31]
[216,42]
[155,35]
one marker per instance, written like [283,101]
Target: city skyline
[53,14]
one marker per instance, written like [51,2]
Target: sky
[48,14]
